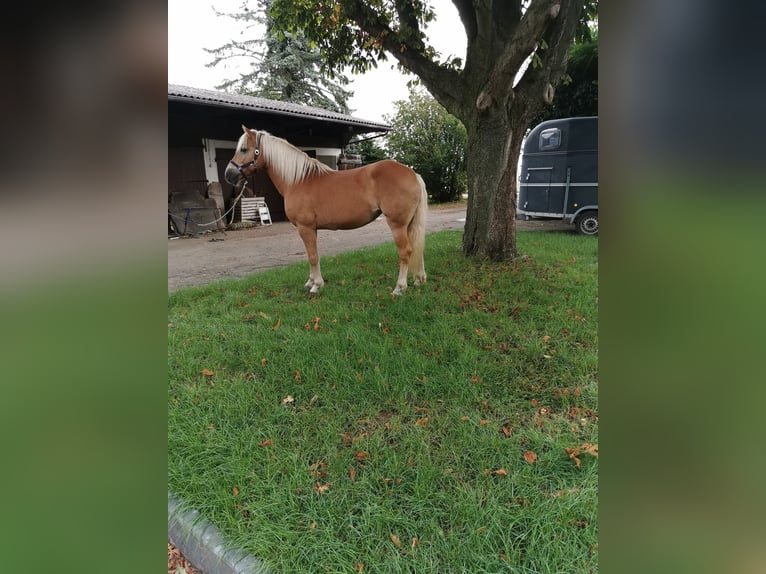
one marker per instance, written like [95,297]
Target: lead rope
[231,209]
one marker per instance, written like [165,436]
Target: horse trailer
[559,173]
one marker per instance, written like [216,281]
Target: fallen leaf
[547,338]
[263,363]
[483,422]
[465,418]
[288,400]
[352,473]
[207,372]
[318,469]
[506,430]
[500,472]
[423,421]
[362,455]
[415,542]
[322,488]
[278,325]
[359,567]
[591,449]
[530,457]
[573,452]
[395,539]
[235,491]
[316,324]
[297,375]
[267,442]
[312,526]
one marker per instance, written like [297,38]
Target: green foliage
[578,94]
[368,149]
[335,28]
[431,141]
[286,66]
[322,433]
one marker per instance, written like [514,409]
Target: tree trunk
[493,145]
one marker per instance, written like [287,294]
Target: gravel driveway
[206,258]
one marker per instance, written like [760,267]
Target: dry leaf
[506,430]
[235,491]
[278,325]
[423,421]
[547,338]
[395,539]
[318,469]
[415,542]
[483,422]
[312,526]
[500,472]
[288,400]
[362,455]
[530,457]
[207,372]
[359,567]
[465,418]
[297,375]
[352,473]
[267,442]
[591,449]
[263,363]
[573,452]
[322,488]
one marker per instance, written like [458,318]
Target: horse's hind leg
[309,237]
[402,241]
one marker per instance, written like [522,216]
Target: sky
[194,26]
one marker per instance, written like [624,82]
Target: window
[550,139]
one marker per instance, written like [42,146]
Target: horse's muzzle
[232,174]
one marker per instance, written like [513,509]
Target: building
[203,129]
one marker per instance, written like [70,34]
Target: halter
[256,153]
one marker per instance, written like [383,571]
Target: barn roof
[235,101]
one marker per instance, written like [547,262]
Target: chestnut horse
[319,197]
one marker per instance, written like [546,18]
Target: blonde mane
[290,163]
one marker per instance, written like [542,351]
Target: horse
[319,197]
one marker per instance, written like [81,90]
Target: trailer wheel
[587,223]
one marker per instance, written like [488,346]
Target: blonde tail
[417,235]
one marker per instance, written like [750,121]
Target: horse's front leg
[309,237]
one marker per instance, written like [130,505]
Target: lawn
[356,432]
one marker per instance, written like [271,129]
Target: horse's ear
[244,129]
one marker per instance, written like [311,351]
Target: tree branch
[468,17]
[537,84]
[444,83]
[526,36]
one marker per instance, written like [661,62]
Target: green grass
[401,412]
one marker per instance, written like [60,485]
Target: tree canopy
[431,141]
[285,66]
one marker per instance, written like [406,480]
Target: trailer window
[550,139]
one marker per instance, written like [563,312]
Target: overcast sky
[193,26]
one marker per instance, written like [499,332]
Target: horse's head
[247,157]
